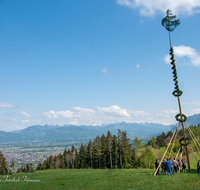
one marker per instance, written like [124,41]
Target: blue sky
[94,62]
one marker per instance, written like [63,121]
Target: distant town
[33,152]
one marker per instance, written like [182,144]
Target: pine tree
[115,148]
[82,156]
[109,141]
[126,148]
[3,164]
[97,147]
[90,153]
[119,135]
[39,166]
[104,150]
[51,162]
[12,165]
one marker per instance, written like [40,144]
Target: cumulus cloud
[84,110]
[24,113]
[138,66]
[114,111]
[104,70]
[152,7]
[54,114]
[182,51]
[139,113]
[7,105]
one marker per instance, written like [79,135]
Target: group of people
[171,166]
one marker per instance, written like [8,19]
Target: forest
[116,151]
[108,152]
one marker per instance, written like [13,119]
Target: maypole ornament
[169,21]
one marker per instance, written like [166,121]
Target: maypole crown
[170,22]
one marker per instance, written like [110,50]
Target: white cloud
[139,113]
[182,51]
[138,66]
[114,111]
[53,114]
[24,113]
[7,105]
[152,7]
[104,70]
[84,110]
[103,115]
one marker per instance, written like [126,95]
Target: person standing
[183,166]
[168,164]
[179,165]
[175,165]
[198,166]
[156,165]
[162,165]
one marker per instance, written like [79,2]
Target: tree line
[110,151]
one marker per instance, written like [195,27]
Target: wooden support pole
[180,160]
[183,128]
[166,149]
[173,143]
[177,153]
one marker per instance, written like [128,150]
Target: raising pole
[166,149]
[177,153]
[173,143]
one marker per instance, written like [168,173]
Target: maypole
[170,23]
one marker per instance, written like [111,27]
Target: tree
[3,164]
[12,165]
[126,148]
[39,166]
[115,147]
[104,150]
[90,152]
[97,147]
[109,140]
[82,156]
[152,142]
[119,135]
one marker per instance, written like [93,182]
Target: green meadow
[101,179]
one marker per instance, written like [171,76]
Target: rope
[193,140]
[191,149]
[192,133]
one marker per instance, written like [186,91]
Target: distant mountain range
[72,132]
[193,120]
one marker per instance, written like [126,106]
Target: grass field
[102,179]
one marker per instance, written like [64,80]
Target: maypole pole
[170,23]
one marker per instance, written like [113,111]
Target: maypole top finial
[170,22]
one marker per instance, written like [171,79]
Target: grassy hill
[102,179]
